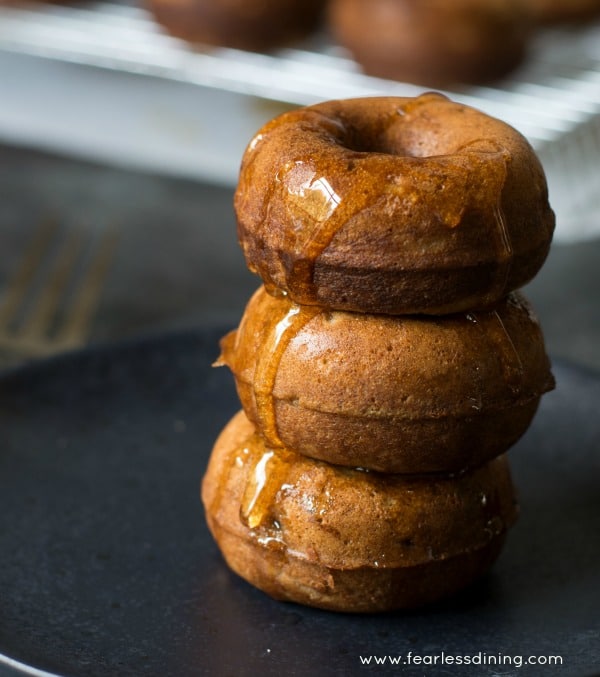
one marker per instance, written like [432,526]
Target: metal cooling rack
[553,99]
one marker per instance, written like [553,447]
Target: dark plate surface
[107,568]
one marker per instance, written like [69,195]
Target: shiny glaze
[496,358]
[389,161]
[313,511]
[275,338]
[268,472]
[318,207]
[495,333]
[267,366]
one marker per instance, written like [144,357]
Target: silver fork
[49,303]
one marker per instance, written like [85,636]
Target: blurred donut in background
[556,11]
[436,43]
[253,25]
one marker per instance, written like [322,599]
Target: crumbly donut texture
[392,205]
[351,540]
[394,394]
[244,24]
[436,43]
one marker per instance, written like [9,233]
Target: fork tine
[20,282]
[78,320]
[37,324]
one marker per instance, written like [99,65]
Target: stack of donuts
[387,363]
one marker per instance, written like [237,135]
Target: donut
[392,205]
[254,25]
[350,540]
[558,11]
[415,394]
[436,43]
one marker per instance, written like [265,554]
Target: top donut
[392,205]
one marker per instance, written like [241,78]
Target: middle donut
[402,394]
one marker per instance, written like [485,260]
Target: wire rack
[553,99]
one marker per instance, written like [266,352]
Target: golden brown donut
[392,205]
[244,24]
[393,394]
[437,43]
[350,540]
[558,11]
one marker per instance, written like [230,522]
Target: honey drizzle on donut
[316,212]
[496,334]
[312,196]
[267,473]
[495,159]
[267,365]
[499,284]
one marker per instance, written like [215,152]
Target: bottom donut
[351,540]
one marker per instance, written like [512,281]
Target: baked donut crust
[393,394]
[392,205]
[350,540]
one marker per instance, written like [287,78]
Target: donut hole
[395,137]
[361,140]
[403,129]
[372,140]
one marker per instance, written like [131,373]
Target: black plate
[107,568]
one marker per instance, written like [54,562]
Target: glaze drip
[311,202]
[444,189]
[323,513]
[268,470]
[272,349]
[341,192]
[495,332]
[493,164]
[500,281]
